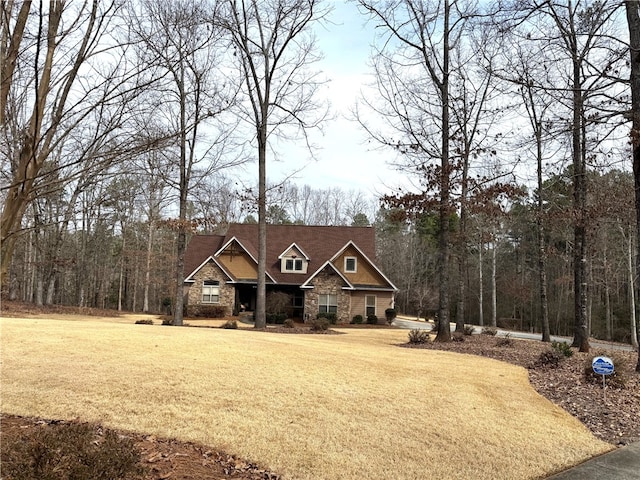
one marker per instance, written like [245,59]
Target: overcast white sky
[346,159]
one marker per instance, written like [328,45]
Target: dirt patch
[614,419]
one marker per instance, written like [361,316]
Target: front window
[350,264]
[211,291]
[370,305]
[327,304]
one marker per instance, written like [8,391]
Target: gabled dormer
[293,260]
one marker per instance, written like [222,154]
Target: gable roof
[319,244]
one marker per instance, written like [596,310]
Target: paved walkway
[620,464]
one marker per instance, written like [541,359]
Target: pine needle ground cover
[306,406]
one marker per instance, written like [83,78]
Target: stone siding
[227,291]
[327,284]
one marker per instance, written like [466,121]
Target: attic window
[350,264]
[293,265]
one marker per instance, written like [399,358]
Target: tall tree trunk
[480,284]
[462,249]
[260,313]
[147,269]
[444,330]
[607,299]
[494,291]
[542,250]
[632,293]
[580,335]
[121,272]
[633,21]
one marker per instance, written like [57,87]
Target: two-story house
[323,269]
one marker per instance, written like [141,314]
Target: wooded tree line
[121,121]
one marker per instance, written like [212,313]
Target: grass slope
[308,406]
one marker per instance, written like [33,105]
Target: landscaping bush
[332,318]
[207,311]
[390,314]
[230,324]
[372,319]
[562,348]
[288,323]
[278,307]
[357,319]
[489,331]
[320,324]
[144,321]
[71,451]
[469,329]
[276,318]
[417,336]
[550,358]
[505,341]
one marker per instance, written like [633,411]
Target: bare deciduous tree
[57,73]
[181,41]
[274,46]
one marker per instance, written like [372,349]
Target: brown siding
[240,265]
[384,300]
[365,274]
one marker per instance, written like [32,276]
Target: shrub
[390,314]
[276,318]
[549,358]
[372,319]
[320,324]
[71,451]
[618,379]
[330,316]
[144,321]
[357,319]
[505,341]
[417,336]
[277,303]
[230,324]
[562,348]
[206,311]
[490,331]
[469,329]
[288,323]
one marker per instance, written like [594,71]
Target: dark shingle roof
[320,243]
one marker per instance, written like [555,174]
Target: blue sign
[602,365]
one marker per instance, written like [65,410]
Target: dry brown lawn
[345,406]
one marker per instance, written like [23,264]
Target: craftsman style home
[322,269]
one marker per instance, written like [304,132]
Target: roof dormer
[293,260]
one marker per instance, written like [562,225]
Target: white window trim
[327,305]
[210,289]
[355,264]
[366,304]
[294,260]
